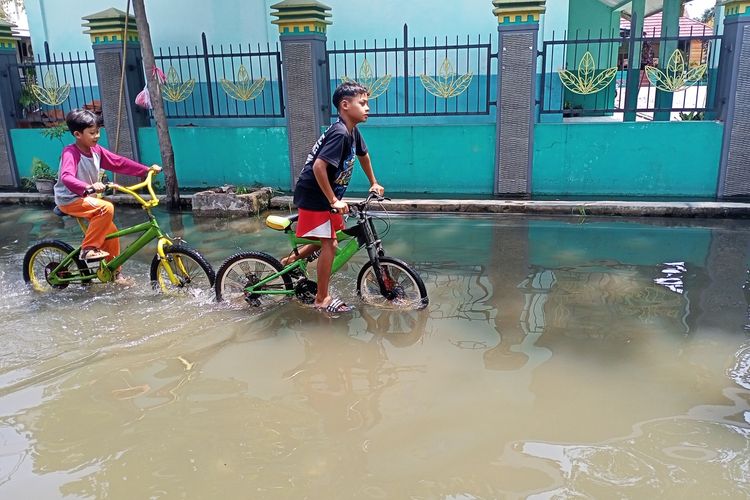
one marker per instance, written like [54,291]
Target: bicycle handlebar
[131,190]
[362,205]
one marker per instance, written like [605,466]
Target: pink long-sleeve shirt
[78,171]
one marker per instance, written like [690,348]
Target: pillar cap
[735,7]
[108,26]
[301,17]
[518,11]
[7,39]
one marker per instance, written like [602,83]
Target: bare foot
[124,280]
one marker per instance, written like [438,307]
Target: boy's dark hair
[79,120]
[347,90]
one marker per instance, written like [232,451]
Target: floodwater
[558,358]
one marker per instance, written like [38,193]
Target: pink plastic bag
[143,99]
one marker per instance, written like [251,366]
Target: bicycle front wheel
[404,288]
[193,274]
[245,269]
[42,258]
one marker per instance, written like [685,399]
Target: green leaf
[695,75]
[379,87]
[571,81]
[587,67]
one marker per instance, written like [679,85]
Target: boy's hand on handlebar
[155,168]
[96,187]
[377,189]
[340,206]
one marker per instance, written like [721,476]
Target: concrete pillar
[734,89]
[518,27]
[107,32]
[9,80]
[670,26]
[302,31]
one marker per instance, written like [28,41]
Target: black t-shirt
[338,148]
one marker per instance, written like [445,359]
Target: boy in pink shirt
[79,178]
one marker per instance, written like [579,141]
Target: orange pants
[100,214]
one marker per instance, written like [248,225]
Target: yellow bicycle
[54,264]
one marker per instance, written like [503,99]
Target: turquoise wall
[443,159]
[213,156]
[636,159]
[29,143]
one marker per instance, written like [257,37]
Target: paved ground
[547,207]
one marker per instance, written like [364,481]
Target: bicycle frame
[150,230]
[361,235]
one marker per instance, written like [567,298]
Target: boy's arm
[364,160]
[122,165]
[68,171]
[320,170]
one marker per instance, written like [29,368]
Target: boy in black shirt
[323,182]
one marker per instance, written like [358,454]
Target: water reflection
[555,360]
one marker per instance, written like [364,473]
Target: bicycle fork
[174,279]
[374,248]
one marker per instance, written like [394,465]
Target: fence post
[635,47]
[302,31]
[9,79]
[107,32]
[518,27]
[734,75]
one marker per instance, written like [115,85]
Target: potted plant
[43,176]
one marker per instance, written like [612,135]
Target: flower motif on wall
[52,93]
[675,76]
[243,89]
[376,86]
[446,84]
[585,80]
[173,89]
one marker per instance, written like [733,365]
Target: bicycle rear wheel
[42,258]
[193,272]
[246,269]
[404,287]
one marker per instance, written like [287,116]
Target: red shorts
[318,224]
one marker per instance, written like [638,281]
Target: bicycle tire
[406,288]
[43,257]
[241,270]
[190,267]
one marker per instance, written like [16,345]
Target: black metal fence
[48,88]
[240,81]
[419,78]
[592,76]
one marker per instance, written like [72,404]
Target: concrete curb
[709,209]
[551,207]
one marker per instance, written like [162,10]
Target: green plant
[692,116]
[57,132]
[26,99]
[40,170]
[27,185]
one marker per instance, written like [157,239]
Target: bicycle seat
[280,223]
[58,212]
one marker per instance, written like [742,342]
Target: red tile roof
[652,26]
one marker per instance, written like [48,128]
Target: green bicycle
[257,278]
[176,268]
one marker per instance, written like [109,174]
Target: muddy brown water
[558,358]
